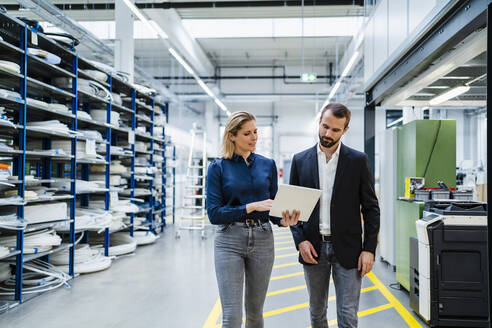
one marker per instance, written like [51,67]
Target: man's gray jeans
[241,252]
[347,288]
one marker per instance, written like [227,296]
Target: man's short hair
[339,110]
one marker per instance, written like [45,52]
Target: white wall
[392,24]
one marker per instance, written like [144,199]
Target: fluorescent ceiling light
[455,78]
[350,64]
[437,87]
[182,61]
[449,95]
[345,72]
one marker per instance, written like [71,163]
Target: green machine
[425,148]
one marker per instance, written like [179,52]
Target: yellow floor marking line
[282,233]
[284,237]
[305,305]
[216,311]
[402,311]
[284,248]
[287,290]
[364,313]
[214,315]
[285,242]
[285,265]
[287,276]
[286,255]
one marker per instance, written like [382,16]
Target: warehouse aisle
[172,284]
[287,299]
[168,284]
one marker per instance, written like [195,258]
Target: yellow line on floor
[285,242]
[214,315]
[285,265]
[364,313]
[284,237]
[305,305]
[287,290]
[409,319]
[287,276]
[284,248]
[286,255]
[282,233]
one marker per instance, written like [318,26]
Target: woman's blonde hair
[233,125]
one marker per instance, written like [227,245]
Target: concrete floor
[172,284]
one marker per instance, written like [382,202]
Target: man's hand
[366,260]
[307,252]
[290,219]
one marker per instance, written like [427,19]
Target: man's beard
[327,142]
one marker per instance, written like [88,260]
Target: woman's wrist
[250,207]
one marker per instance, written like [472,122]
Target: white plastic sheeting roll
[4,271]
[100,116]
[120,243]
[87,260]
[145,237]
[34,242]
[88,219]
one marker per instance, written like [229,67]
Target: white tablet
[295,198]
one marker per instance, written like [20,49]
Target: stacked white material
[34,242]
[145,237]
[9,66]
[4,251]
[37,145]
[93,134]
[81,186]
[138,222]
[88,219]
[38,103]
[96,75]
[117,99]
[53,211]
[120,243]
[4,93]
[58,107]
[114,180]
[143,170]
[140,146]
[87,260]
[158,158]
[100,116]
[84,115]
[52,125]
[117,167]
[4,271]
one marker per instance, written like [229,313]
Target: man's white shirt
[327,172]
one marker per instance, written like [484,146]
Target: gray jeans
[347,288]
[243,252]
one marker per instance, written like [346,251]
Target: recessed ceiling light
[455,92]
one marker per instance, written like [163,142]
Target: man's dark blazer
[353,193]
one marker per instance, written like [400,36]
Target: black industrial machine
[448,265]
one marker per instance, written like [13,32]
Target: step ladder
[193,212]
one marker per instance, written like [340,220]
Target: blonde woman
[240,189]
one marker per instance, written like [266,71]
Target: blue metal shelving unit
[23,39]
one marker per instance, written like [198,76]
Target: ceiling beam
[204,4]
